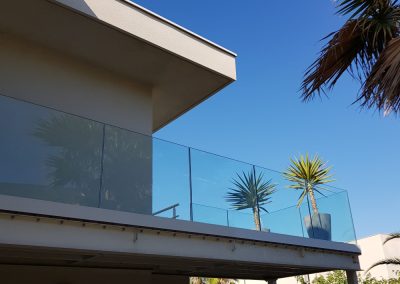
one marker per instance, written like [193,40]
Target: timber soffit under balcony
[182,68]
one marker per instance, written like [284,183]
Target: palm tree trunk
[256,216]
[313,201]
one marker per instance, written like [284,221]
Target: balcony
[58,157]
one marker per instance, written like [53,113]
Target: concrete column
[272,281]
[351,277]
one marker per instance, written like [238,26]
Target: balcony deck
[41,232]
[60,213]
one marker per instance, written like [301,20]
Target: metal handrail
[173,207]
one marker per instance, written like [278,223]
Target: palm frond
[359,48]
[382,87]
[389,261]
[357,8]
[307,174]
[392,237]
[337,56]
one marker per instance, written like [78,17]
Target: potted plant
[251,191]
[307,175]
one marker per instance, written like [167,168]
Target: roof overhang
[182,68]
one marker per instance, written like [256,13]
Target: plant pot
[319,226]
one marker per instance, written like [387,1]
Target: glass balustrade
[51,155]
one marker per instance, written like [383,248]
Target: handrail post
[173,207]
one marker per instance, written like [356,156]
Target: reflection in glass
[126,182]
[48,155]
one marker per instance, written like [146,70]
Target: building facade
[88,195]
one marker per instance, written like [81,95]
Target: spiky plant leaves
[250,191]
[308,174]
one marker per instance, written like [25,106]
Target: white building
[88,196]
[373,250]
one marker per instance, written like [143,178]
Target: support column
[351,277]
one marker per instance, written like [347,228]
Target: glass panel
[335,208]
[239,219]
[212,178]
[285,221]
[283,196]
[210,215]
[280,218]
[49,155]
[171,180]
[127,167]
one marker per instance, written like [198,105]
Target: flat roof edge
[175,25]
[141,24]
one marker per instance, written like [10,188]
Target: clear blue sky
[260,119]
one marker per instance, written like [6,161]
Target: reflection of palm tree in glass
[76,160]
[127,171]
[82,163]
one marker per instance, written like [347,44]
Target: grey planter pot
[319,226]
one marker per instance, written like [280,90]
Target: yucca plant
[251,191]
[368,47]
[307,175]
[389,261]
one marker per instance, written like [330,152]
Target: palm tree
[251,191]
[368,47]
[308,175]
[394,261]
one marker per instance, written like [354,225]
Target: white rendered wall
[48,78]
[373,250]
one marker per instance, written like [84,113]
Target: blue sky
[260,118]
